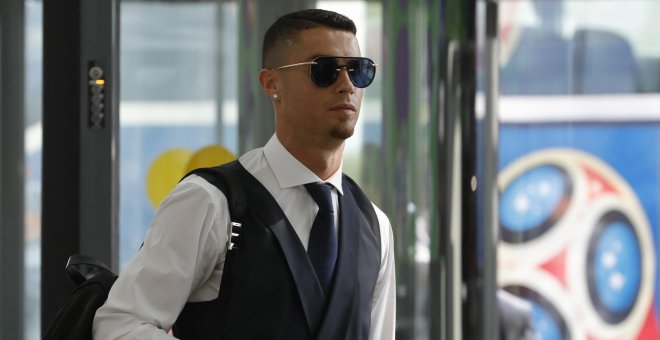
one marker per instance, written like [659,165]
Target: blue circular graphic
[615,267]
[533,202]
[545,325]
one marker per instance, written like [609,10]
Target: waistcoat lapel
[309,290]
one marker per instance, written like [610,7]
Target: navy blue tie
[322,246]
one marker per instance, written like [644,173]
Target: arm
[383,308]
[181,258]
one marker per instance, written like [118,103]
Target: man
[289,279]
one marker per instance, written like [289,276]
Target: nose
[344,83]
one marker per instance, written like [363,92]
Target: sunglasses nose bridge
[346,66]
[348,78]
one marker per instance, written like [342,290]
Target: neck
[323,159]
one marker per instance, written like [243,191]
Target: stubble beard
[343,131]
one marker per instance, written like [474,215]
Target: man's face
[307,113]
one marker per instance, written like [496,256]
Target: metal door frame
[79,186]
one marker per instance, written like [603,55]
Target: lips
[343,107]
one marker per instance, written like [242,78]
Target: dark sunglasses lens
[363,72]
[324,72]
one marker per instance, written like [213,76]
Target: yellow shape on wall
[165,172]
[208,156]
[170,166]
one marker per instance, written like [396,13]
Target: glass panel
[394,149]
[174,58]
[579,165]
[33,114]
[362,150]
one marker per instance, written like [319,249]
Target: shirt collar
[289,172]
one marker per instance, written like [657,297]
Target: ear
[268,82]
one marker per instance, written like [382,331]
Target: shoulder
[383,220]
[196,185]
[195,195]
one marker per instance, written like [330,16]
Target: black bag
[93,279]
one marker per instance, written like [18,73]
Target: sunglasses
[325,70]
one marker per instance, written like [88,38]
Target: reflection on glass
[33,147]
[177,71]
[392,153]
[365,144]
[555,47]
[580,93]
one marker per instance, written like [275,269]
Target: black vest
[269,289]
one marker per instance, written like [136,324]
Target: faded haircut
[288,26]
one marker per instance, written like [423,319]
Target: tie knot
[322,195]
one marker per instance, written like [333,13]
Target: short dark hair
[287,26]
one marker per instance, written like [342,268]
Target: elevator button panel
[96,95]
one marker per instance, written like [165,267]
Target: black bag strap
[225,178]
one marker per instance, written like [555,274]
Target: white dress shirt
[184,250]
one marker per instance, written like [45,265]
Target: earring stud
[275,96]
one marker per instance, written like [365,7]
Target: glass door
[178,99]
